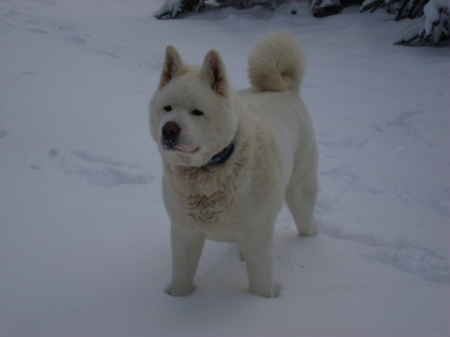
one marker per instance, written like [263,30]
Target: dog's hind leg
[301,197]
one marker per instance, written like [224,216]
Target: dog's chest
[210,206]
[207,210]
[213,210]
[215,216]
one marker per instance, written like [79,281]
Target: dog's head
[192,114]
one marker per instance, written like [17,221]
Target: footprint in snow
[344,143]
[100,170]
[107,53]
[77,39]
[405,256]
[36,30]
[154,62]
[411,259]
[62,27]
[404,119]
[440,202]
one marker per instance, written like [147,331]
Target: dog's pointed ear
[173,66]
[213,71]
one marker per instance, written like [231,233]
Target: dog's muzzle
[170,135]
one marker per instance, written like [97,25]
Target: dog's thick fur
[195,114]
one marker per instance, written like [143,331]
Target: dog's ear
[173,66]
[213,71]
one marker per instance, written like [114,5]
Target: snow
[84,236]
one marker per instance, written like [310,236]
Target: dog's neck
[222,157]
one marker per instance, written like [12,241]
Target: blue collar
[221,157]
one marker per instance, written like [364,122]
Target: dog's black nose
[170,132]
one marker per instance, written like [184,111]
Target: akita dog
[232,157]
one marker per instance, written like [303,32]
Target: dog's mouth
[180,148]
[194,151]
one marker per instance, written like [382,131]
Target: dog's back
[277,65]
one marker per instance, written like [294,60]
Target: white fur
[275,157]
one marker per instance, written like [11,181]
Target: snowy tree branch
[172,8]
[323,8]
[433,26]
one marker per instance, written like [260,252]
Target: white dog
[232,157]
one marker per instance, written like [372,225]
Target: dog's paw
[267,292]
[178,291]
[310,231]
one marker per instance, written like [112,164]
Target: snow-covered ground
[84,236]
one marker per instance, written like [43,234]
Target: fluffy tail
[276,63]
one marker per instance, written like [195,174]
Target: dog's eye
[168,108]
[197,112]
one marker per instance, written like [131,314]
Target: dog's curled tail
[276,63]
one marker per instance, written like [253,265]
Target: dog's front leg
[257,252]
[186,251]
